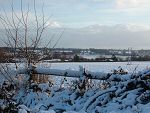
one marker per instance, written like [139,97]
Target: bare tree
[24,35]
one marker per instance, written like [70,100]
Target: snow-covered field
[100,66]
[128,93]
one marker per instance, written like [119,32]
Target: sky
[107,22]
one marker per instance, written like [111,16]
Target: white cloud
[132,3]
[54,24]
[102,36]
[137,27]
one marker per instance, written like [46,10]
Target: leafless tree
[24,35]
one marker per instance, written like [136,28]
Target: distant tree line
[78,58]
[141,58]
[6,55]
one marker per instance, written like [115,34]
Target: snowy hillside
[111,93]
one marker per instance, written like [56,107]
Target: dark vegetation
[73,55]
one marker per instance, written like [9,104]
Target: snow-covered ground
[96,66]
[118,94]
[104,67]
[99,66]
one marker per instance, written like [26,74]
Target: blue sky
[95,23]
[80,13]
